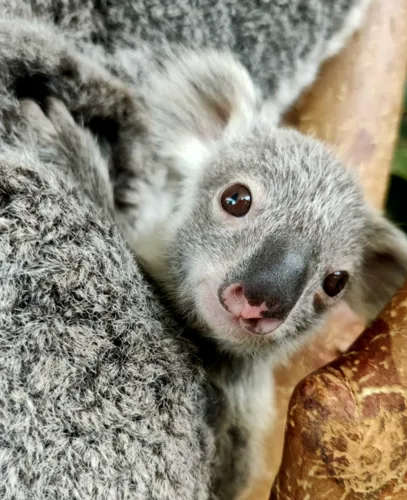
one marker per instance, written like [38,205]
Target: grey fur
[100,397]
[190,123]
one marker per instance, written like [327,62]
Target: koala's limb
[68,146]
[281,43]
[37,62]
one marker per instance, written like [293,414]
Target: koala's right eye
[236,200]
[334,283]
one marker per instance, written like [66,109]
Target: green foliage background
[397,193]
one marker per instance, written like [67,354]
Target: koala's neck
[226,365]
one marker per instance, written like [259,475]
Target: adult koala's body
[252,283]
[100,398]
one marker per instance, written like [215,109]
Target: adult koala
[253,232]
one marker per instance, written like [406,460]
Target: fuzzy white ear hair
[197,99]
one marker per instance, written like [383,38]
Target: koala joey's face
[267,231]
[272,235]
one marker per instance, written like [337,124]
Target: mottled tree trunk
[346,433]
[355,106]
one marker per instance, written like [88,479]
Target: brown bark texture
[346,433]
[354,106]
[355,103]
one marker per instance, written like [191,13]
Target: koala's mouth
[260,326]
[253,318]
[233,325]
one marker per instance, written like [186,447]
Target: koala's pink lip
[260,326]
[227,325]
[249,316]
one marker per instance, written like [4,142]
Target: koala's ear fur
[384,267]
[199,96]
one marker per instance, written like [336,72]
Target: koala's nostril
[237,290]
[232,298]
[253,318]
[234,301]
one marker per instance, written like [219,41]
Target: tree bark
[346,434]
[355,104]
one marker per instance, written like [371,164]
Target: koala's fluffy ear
[197,98]
[384,268]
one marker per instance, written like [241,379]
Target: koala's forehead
[304,188]
[290,168]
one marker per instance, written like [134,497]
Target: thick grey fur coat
[108,392]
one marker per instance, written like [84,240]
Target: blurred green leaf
[400,162]
[396,206]
[399,167]
[403,127]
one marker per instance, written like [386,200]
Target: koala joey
[253,232]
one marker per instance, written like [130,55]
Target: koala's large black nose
[269,286]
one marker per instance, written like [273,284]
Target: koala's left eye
[236,200]
[334,283]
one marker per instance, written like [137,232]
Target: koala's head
[267,231]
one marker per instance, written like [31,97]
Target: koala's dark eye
[334,283]
[236,200]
